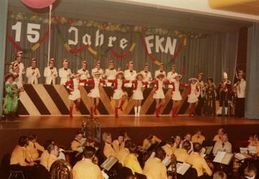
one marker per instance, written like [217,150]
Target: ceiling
[115,12]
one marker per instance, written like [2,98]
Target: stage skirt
[94,93]
[176,96]
[74,95]
[192,98]
[118,93]
[137,95]
[159,94]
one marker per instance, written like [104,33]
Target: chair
[60,169]
[16,174]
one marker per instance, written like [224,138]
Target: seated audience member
[222,145]
[49,156]
[33,148]
[219,135]
[149,141]
[154,168]
[198,137]
[124,152]
[219,175]
[131,160]
[118,144]
[108,149]
[77,145]
[198,162]
[86,168]
[250,172]
[181,154]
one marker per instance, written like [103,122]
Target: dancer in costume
[176,94]
[159,95]
[194,92]
[74,93]
[95,92]
[137,96]
[11,96]
[119,95]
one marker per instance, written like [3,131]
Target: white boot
[139,109]
[136,111]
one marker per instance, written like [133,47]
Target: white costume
[130,75]
[158,72]
[95,92]
[73,86]
[64,75]
[176,96]
[84,75]
[137,92]
[159,93]
[118,92]
[110,74]
[194,93]
[95,70]
[32,74]
[19,79]
[171,77]
[50,75]
[147,76]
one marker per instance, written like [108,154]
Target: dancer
[137,96]
[95,92]
[11,96]
[118,95]
[74,93]
[194,92]
[50,73]
[176,94]
[159,95]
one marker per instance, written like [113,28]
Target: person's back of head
[250,171]
[186,145]
[128,144]
[23,141]
[89,152]
[160,153]
[133,148]
[197,147]
[220,175]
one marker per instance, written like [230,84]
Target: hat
[139,74]
[193,79]
[119,73]
[225,75]
[160,74]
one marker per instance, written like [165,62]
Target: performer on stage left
[194,92]
[74,93]
[95,92]
[119,94]
[159,95]
[137,96]
[11,96]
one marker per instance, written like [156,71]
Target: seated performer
[119,143]
[219,135]
[194,92]
[147,76]
[137,96]
[171,75]
[118,95]
[11,97]
[182,154]
[110,73]
[160,70]
[198,137]
[50,73]
[64,72]
[33,149]
[83,72]
[17,69]
[86,168]
[33,72]
[176,94]
[95,92]
[159,95]
[49,156]
[74,93]
[97,69]
[77,145]
[223,145]
[130,74]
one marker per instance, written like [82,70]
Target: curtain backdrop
[252,100]
[211,55]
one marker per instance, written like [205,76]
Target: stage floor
[47,122]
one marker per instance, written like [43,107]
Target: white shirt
[129,75]
[32,74]
[50,75]
[64,75]
[241,89]
[84,75]
[157,72]
[110,75]
[171,77]
[147,76]
[223,147]
[94,70]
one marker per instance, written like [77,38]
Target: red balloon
[38,4]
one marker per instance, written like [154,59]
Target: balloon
[38,4]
